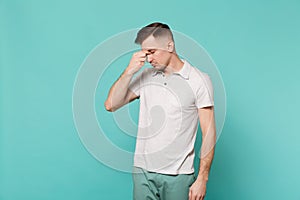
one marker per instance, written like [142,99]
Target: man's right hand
[136,63]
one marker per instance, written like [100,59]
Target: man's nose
[149,58]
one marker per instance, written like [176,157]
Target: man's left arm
[208,128]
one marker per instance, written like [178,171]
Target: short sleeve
[204,92]
[135,84]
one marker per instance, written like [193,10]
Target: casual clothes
[155,186]
[168,118]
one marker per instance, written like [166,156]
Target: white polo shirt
[168,117]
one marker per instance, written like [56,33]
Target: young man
[173,96]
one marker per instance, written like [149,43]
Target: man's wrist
[202,178]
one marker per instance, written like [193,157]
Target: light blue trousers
[155,186]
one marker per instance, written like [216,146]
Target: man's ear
[171,46]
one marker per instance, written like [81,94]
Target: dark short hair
[156,29]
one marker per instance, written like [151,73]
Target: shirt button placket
[165,80]
[165,83]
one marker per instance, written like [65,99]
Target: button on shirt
[168,117]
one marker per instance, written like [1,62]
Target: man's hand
[197,190]
[136,63]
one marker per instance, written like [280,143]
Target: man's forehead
[151,47]
[151,43]
[148,47]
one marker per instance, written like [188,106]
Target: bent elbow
[108,106]
[108,109]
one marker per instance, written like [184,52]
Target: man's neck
[174,65]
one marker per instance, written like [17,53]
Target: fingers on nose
[143,59]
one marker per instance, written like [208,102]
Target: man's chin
[159,67]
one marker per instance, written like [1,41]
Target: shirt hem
[177,172]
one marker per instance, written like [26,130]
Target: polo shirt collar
[184,72]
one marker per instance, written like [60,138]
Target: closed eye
[152,51]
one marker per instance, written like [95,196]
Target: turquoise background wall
[255,45]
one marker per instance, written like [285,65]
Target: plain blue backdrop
[255,45]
